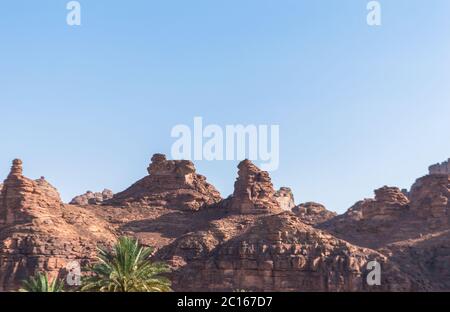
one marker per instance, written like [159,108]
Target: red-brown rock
[313,213]
[172,184]
[253,191]
[277,253]
[430,200]
[243,242]
[91,198]
[39,233]
[285,198]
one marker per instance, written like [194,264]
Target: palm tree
[40,283]
[126,268]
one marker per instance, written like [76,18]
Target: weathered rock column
[11,196]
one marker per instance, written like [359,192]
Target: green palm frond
[40,283]
[127,268]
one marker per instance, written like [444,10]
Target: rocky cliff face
[171,184]
[270,250]
[389,204]
[440,169]
[378,218]
[247,241]
[392,216]
[430,200]
[253,191]
[24,199]
[413,230]
[277,253]
[38,233]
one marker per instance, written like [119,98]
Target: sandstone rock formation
[23,198]
[38,233]
[170,183]
[440,169]
[430,200]
[313,213]
[1,199]
[285,198]
[389,203]
[377,217]
[413,231]
[277,253]
[246,241]
[253,191]
[91,198]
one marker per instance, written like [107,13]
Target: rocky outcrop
[91,198]
[374,222]
[24,199]
[440,169]
[313,213]
[285,198]
[426,257]
[389,203]
[39,233]
[412,228]
[253,191]
[278,253]
[392,216]
[245,242]
[170,183]
[430,200]
[1,201]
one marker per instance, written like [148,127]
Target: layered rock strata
[313,213]
[243,242]
[171,184]
[38,233]
[278,253]
[253,191]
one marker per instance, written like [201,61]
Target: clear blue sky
[358,107]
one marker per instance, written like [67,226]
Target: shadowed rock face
[392,216]
[172,184]
[430,200]
[376,218]
[276,253]
[412,230]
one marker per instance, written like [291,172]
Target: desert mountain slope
[170,183]
[256,239]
